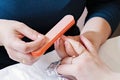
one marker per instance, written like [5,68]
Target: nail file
[57,31]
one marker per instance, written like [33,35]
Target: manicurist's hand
[11,34]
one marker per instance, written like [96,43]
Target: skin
[11,34]
[93,28]
[20,51]
[87,65]
[95,32]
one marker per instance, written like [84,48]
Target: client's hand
[86,65]
[63,48]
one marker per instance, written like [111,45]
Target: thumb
[66,69]
[28,32]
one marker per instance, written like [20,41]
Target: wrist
[97,30]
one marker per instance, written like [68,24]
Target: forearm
[110,11]
[97,30]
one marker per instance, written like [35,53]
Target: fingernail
[40,36]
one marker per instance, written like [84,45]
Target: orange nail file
[57,31]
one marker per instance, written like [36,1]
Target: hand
[85,66]
[63,48]
[11,33]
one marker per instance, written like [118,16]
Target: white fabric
[25,72]
[109,52]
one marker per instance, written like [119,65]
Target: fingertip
[69,49]
[42,38]
[39,35]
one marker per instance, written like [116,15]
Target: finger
[19,35]
[77,46]
[28,32]
[26,47]
[64,37]
[67,60]
[88,45]
[77,38]
[22,58]
[69,49]
[66,69]
[60,48]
